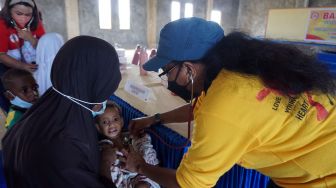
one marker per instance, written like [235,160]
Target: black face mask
[181,91]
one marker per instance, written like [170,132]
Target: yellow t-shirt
[239,121]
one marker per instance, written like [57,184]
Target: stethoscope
[190,114]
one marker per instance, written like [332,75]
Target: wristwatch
[157,118]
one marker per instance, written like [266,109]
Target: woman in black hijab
[55,142]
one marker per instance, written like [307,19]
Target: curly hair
[281,67]
[8,78]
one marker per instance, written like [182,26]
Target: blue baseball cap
[185,39]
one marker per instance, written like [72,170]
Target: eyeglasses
[165,74]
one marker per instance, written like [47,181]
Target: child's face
[110,123]
[24,87]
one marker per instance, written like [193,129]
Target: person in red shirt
[20,26]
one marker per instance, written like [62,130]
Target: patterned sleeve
[144,146]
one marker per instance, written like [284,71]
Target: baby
[110,124]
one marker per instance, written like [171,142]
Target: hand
[138,182]
[25,34]
[108,157]
[133,160]
[29,67]
[137,125]
[108,154]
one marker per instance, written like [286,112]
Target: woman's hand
[108,157]
[27,35]
[137,125]
[108,154]
[24,34]
[28,67]
[133,160]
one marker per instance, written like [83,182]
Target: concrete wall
[246,15]
[164,12]
[89,23]
[88,15]
[252,14]
[229,9]
[53,14]
[322,3]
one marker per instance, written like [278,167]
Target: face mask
[21,21]
[17,101]
[101,111]
[77,101]
[181,91]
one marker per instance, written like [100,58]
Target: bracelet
[157,118]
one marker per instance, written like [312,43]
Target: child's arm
[144,146]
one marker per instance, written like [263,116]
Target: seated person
[21,90]
[110,125]
[46,50]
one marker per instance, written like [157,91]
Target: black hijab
[55,142]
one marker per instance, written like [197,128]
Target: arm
[33,41]
[9,61]
[28,35]
[175,116]
[13,63]
[163,176]
[106,160]
[144,146]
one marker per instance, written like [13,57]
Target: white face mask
[77,101]
[17,101]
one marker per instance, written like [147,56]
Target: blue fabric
[237,177]
[2,176]
[328,58]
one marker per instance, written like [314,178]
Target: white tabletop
[161,100]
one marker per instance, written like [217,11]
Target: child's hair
[112,105]
[8,77]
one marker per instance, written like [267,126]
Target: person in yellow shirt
[260,104]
